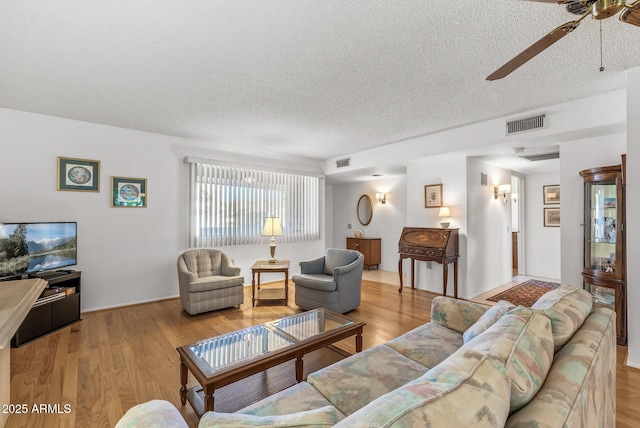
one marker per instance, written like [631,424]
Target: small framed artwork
[128,192]
[551,194]
[551,217]
[433,195]
[80,175]
[609,202]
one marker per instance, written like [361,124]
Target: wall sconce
[444,213]
[381,197]
[502,190]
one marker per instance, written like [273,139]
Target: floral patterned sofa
[552,365]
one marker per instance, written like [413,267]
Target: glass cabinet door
[601,198]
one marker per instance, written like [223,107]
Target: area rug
[244,392]
[526,293]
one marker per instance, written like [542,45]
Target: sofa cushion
[582,376]
[214,282]
[337,257]
[298,398]
[567,306]
[361,378]
[488,319]
[468,389]
[456,314]
[152,414]
[322,417]
[428,344]
[315,281]
[523,342]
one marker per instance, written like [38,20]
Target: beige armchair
[208,281]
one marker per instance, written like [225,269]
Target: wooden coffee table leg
[299,369]
[208,398]
[253,289]
[359,342]
[183,382]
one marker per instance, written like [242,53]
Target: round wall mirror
[365,210]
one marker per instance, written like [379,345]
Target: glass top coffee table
[221,360]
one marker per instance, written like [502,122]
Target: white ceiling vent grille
[341,163]
[526,124]
[541,157]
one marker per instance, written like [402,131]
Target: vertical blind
[228,204]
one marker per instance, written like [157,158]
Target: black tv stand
[48,316]
[48,275]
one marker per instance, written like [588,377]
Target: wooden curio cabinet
[604,266]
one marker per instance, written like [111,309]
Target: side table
[263,266]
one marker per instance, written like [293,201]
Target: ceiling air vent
[341,163]
[525,124]
[541,157]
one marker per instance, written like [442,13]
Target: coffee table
[221,360]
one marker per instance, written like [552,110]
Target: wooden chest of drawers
[369,247]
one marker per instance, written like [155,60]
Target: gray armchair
[208,281]
[332,282]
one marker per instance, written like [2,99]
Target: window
[228,204]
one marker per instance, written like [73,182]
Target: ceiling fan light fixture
[603,9]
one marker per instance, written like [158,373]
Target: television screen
[33,247]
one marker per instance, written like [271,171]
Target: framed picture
[128,192]
[433,195]
[551,217]
[551,194]
[81,175]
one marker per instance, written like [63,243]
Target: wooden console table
[430,245]
[16,300]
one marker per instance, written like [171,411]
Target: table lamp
[272,228]
[444,213]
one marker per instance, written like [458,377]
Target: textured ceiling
[313,78]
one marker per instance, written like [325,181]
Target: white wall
[126,255]
[574,157]
[633,214]
[488,230]
[387,221]
[542,244]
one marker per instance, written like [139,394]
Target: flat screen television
[29,248]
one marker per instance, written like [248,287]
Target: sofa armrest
[231,270]
[312,266]
[227,268]
[154,413]
[342,270]
[184,275]
[456,314]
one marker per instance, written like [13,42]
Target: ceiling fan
[598,9]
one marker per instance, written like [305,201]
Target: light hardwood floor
[120,357]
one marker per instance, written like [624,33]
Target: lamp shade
[272,227]
[504,188]
[444,212]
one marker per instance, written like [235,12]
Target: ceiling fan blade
[535,49]
[631,15]
[546,1]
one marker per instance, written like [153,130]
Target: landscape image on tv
[33,247]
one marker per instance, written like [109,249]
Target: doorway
[517,225]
